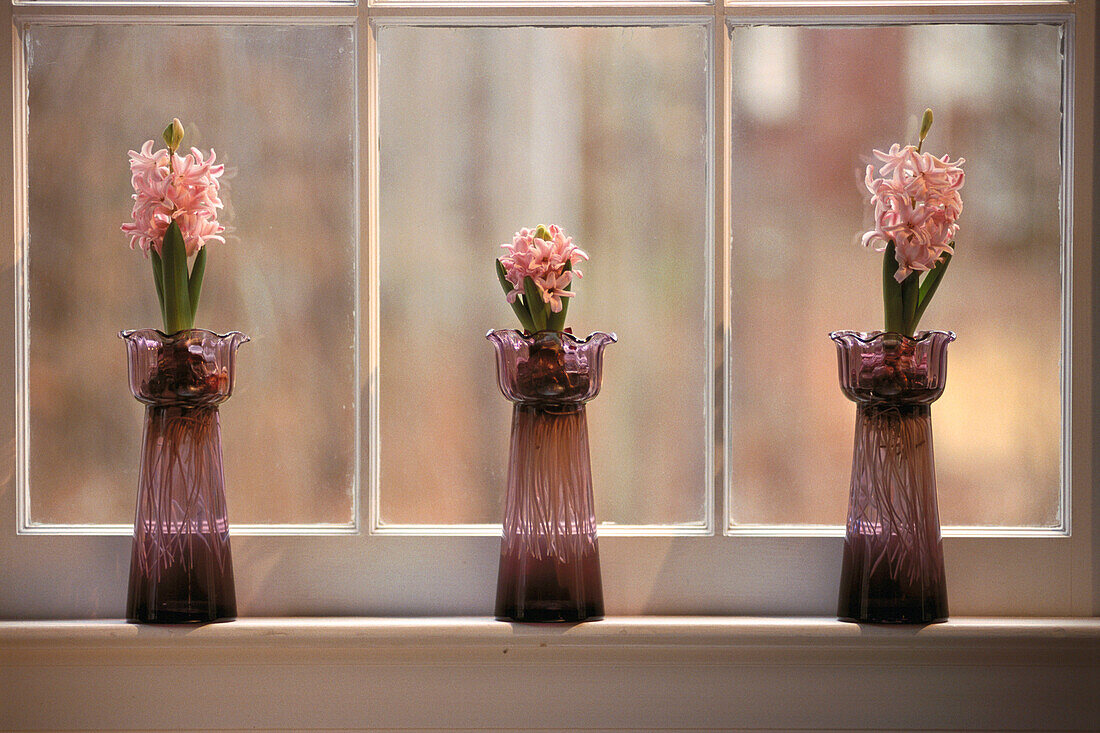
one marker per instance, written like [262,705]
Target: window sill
[673,634]
[635,673]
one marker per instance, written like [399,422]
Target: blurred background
[604,131]
[809,105]
[277,104]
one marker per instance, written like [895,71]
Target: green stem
[891,292]
[910,292]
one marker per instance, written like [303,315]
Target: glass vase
[893,552]
[181,568]
[549,554]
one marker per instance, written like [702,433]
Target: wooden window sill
[637,673]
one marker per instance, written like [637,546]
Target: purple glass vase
[181,569]
[893,552]
[549,555]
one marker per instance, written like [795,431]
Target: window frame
[780,571]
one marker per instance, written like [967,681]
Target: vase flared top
[881,366]
[190,368]
[549,366]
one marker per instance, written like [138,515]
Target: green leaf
[502,276]
[556,321]
[930,285]
[177,302]
[158,280]
[194,282]
[910,292]
[534,304]
[518,306]
[891,291]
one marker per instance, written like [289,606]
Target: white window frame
[647,570]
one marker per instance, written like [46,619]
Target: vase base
[891,620]
[874,593]
[550,615]
[180,613]
[548,589]
[181,618]
[194,587]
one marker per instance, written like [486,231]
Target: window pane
[485,130]
[277,104]
[809,104]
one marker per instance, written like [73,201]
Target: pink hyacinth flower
[185,192]
[544,262]
[917,206]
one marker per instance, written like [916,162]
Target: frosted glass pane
[277,103]
[809,104]
[484,130]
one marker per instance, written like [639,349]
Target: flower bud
[925,124]
[173,135]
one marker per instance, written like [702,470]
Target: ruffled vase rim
[870,337]
[130,333]
[609,336]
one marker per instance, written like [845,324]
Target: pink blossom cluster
[917,206]
[544,262]
[185,191]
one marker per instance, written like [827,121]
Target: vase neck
[549,493]
[549,407]
[179,409]
[900,409]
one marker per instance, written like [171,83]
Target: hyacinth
[549,258]
[917,206]
[185,192]
[175,214]
[537,275]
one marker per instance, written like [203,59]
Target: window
[996,90]
[603,129]
[366,444]
[286,275]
